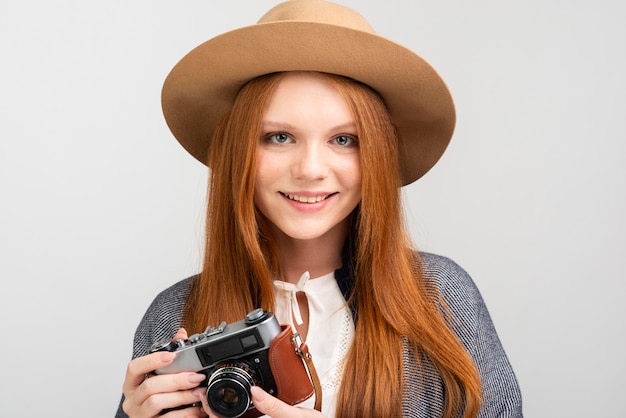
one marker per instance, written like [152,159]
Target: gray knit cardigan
[424,393]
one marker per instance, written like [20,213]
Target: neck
[318,256]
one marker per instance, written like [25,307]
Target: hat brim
[202,87]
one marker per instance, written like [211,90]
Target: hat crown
[317,11]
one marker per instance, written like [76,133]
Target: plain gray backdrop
[100,208]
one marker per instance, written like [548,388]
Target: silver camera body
[233,356]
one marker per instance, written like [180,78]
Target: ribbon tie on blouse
[293,289]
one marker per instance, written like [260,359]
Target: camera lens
[228,392]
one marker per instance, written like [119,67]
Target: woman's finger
[180,335]
[174,405]
[140,367]
[276,408]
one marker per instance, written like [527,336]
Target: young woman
[310,129]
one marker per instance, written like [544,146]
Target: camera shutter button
[256,316]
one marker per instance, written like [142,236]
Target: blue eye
[278,138]
[345,141]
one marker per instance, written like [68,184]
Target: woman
[310,124]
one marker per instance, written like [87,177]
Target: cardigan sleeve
[472,323]
[161,321]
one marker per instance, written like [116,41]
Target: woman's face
[308,173]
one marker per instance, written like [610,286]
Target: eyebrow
[288,126]
[277,124]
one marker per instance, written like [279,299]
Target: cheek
[267,167]
[259,190]
[261,201]
[265,177]
[352,175]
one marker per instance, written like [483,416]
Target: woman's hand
[269,405]
[146,397]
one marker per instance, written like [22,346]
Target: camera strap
[303,351]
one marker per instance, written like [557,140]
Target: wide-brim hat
[311,35]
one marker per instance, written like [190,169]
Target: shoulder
[163,317]
[462,300]
[168,303]
[172,296]
[452,281]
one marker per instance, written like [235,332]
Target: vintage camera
[234,357]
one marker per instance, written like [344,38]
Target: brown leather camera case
[288,368]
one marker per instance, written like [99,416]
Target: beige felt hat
[311,35]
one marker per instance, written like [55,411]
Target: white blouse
[330,332]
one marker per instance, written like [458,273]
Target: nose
[311,162]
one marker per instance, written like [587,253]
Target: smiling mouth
[306,199]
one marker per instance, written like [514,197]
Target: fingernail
[257,393]
[196,378]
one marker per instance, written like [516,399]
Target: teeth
[307,199]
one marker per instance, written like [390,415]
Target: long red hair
[393,298]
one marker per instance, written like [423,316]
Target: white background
[100,208]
